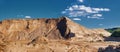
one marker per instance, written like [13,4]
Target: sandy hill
[47,35]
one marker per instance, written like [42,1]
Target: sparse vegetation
[111,30]
[115,32]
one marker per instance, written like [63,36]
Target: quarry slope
[48,35]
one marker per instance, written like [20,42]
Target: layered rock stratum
[49,35]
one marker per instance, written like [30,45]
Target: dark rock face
[63,29]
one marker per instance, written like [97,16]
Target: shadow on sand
[116,39]
[110,48]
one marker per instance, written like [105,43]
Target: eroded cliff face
[30,29]
[29,35]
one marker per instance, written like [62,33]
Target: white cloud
[101,9]
[95,16]
[81,1]
[92,17]
[70,9]
[84,11]
[77,19]
[27,16]
[98,15]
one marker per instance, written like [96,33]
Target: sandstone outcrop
[30,29]
[38,35]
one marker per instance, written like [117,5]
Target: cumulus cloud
[27,16]
[84,11]
[77,19]
[81,1]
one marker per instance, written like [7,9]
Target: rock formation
[28,35]
[30,29]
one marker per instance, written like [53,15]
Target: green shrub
[116,33]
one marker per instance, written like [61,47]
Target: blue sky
[89,13]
